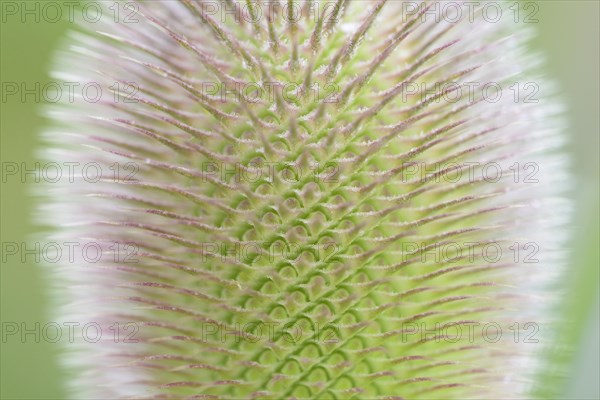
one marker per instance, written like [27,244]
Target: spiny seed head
[306,199]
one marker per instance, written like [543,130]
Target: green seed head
[307,199]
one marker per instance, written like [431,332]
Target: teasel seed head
[306,202]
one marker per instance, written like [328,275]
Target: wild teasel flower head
[307,199]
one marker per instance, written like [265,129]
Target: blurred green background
[568,36]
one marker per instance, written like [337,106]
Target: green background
[568,36]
